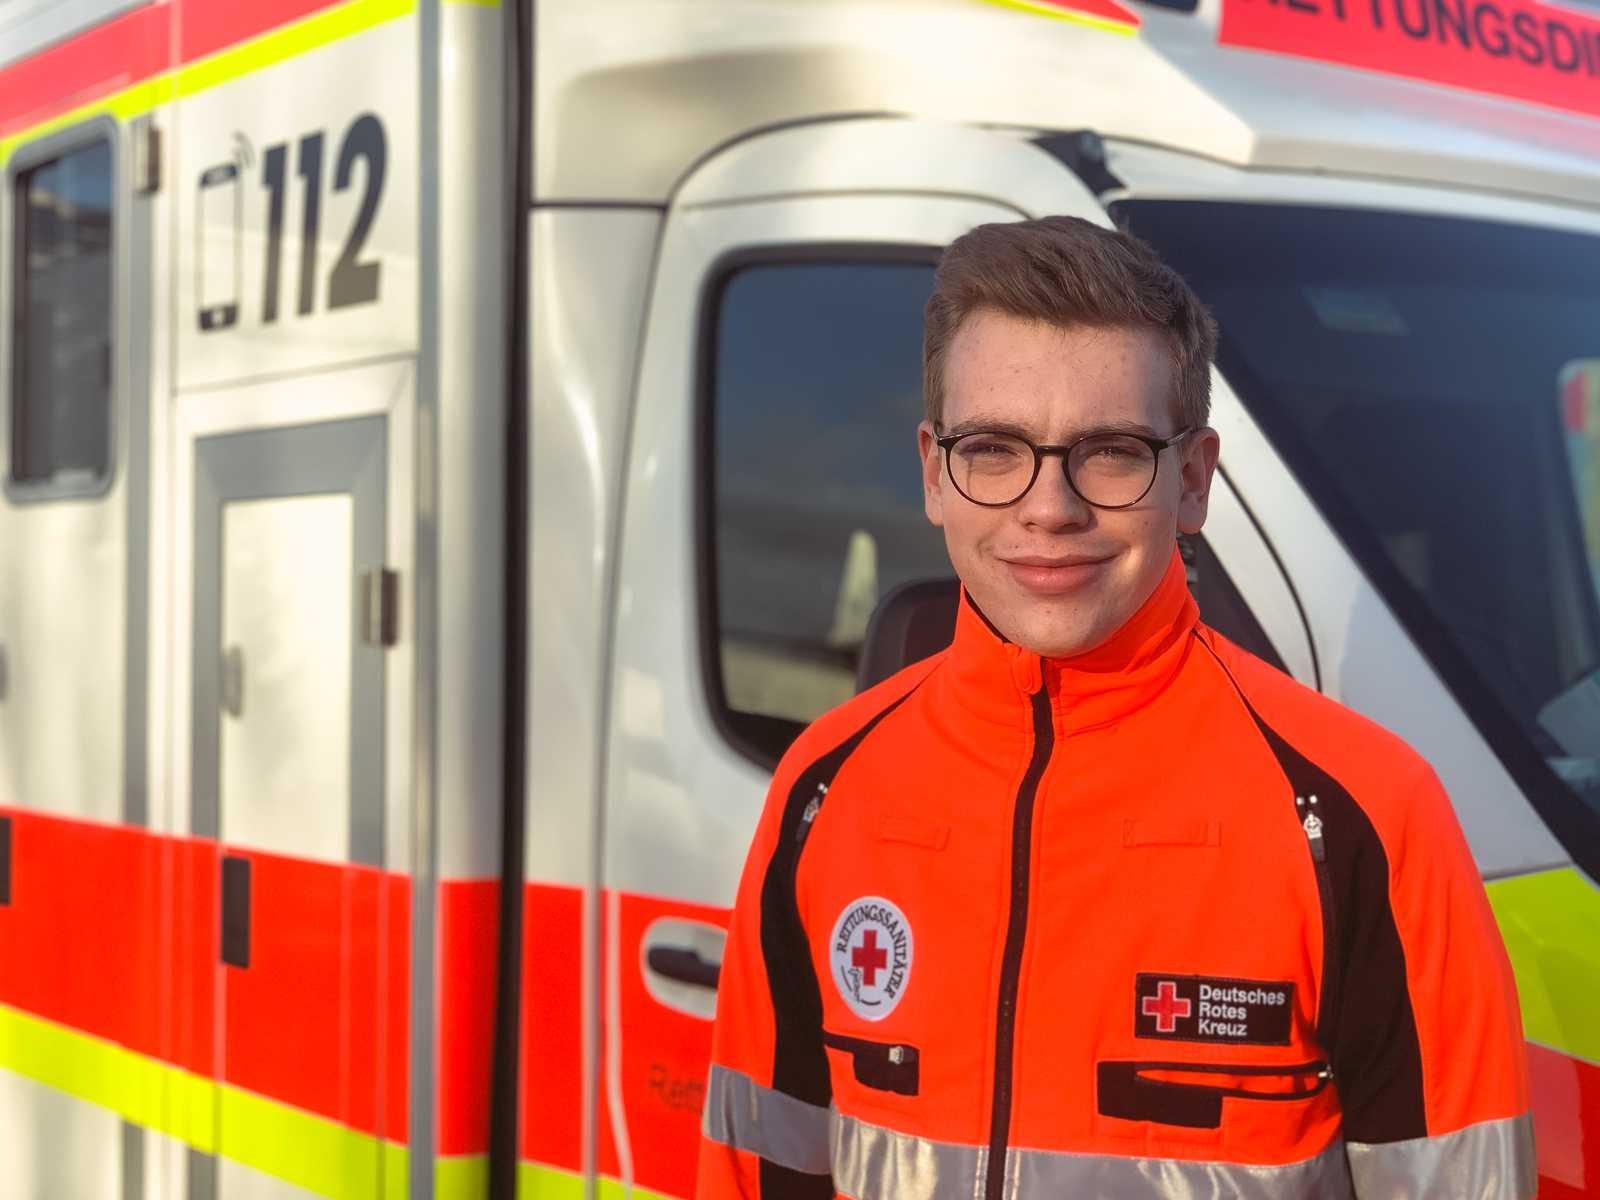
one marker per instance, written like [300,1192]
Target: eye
[991,450]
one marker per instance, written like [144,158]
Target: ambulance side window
[812,496]
[61,321]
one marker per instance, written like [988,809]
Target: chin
[1050,639]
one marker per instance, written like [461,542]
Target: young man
[1094,904]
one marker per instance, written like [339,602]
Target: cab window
[813,497]
[61,305]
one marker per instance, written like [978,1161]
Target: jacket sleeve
[769,1093]
[1420,1015]
[765,1131]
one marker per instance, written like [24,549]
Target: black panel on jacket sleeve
[1365,1020]
[799,1062]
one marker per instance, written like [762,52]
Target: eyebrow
[994,425]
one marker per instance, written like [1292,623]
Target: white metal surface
[235,1181]
[318,95]
[27,26]
[632,93]
[591,272]
[1163,173]
[287,570]
[54,1146]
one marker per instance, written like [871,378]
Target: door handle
[681,961]
[686,966]
[235,911]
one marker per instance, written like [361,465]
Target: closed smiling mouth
[1060,561]
[1054,572]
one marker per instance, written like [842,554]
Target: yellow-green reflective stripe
[396,1172]
[536,1181]
[1064,14]
[124,105]
[140,1089]
[311,1151]
[285,43]
[464,1178]
[1551,926]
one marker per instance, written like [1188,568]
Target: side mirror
[913,622]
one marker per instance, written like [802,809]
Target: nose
[1051,503]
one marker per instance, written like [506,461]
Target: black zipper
[1311,821]
[1044,737]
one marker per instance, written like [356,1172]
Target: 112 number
[351,281]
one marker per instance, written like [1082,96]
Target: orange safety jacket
[1154,921]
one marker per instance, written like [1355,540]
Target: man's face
[1054,574]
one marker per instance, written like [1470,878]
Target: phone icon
[219,246]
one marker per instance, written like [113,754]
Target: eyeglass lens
[1110,470]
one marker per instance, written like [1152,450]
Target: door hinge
[380,606]
[146,157]
[233,681]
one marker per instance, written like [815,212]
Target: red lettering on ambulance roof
[1517,49]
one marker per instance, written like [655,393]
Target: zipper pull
[1313,827]
[810,813]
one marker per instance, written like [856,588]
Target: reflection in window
[1438,377]
[60,416]
[817,392]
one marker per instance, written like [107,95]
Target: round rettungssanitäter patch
[871,956]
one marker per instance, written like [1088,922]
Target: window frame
[25,158]
[708,329]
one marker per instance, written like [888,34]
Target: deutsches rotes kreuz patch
[871,955]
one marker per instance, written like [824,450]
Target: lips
[1055,573]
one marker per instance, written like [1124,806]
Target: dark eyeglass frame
[1157,445]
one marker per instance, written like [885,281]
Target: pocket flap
[913,832]
[1170,833]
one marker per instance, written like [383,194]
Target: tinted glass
[816,396]
[1437,382]
[60,426]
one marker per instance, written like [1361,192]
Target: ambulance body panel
[256,697]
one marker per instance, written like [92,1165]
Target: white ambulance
[451,448]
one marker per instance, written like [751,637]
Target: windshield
[1436,384]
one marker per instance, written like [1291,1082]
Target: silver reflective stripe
[1493,1160]
[743,1114]
[873,1163]
[1113,1177]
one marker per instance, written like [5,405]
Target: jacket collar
[994,678]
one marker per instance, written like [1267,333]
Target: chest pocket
[1201,1102]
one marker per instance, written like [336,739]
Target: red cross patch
[1213,1008]
[871,956]
[1166,1006]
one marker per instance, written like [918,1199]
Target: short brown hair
[1067,272]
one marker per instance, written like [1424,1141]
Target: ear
[932,472]
[1200,450]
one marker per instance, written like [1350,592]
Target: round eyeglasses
[1107,470]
